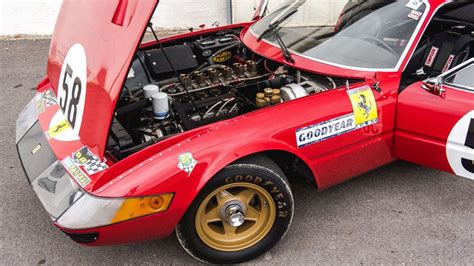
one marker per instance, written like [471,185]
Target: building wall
[38,17]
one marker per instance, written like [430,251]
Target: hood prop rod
[150,25]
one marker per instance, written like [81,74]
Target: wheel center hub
[233,212]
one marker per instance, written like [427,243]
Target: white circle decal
[72,86]
[460,147]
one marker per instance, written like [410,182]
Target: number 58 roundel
[72,86]
[460,147]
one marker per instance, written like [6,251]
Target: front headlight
[90,211]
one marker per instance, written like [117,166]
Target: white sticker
[72,86]
[325,130]
[415,15]
[460,147]
[131,74]
[414,4]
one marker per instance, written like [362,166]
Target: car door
[435,122]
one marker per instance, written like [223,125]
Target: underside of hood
[91,50]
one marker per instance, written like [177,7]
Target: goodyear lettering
[277,195]
[326,130]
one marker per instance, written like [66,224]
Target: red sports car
[201,133]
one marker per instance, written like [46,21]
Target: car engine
[218,78]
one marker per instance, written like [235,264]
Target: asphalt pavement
[401,213]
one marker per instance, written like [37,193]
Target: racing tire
[213,231]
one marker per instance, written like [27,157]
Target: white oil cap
[150,90]
[161,107]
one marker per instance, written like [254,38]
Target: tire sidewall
[272,181]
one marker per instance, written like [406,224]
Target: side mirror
[434,85]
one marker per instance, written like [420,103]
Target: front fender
[213,148]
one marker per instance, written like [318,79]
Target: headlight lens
[90,211]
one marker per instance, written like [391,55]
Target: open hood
[92,47]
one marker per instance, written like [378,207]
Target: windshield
[360,34]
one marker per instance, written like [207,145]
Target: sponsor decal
[364,114]
[40,104]
[72,86]
[415,15]
[431,56]
[89,161]
[57,129]
[448,63]
[414,4]
[45,99]
[222,57]
[325,130]
[364,106]
[67,134]
[75,171]
[460,147]
[186,162]
[49,98]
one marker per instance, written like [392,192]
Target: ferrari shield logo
[186,162]
[364,106]
[57,129]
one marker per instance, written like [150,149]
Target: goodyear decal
[57,129]
[364,106]
[325,130]
[76,172]
[222,57]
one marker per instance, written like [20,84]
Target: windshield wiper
[283,47]
[273,26]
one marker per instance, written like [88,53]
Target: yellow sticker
[364,106]
[57,129]
[222,57]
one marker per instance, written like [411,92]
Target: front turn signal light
[133,208]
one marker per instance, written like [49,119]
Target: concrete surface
[400,213]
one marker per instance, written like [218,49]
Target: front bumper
[58,192]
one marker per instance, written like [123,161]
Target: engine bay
[197,81]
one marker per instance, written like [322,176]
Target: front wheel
[240,214]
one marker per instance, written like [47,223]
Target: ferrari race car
[201,133]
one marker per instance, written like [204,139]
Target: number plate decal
[460,147]
[72,86]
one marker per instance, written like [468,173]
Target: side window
[463,78]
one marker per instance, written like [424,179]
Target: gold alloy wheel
[235,216]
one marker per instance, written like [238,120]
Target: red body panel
[424,122]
